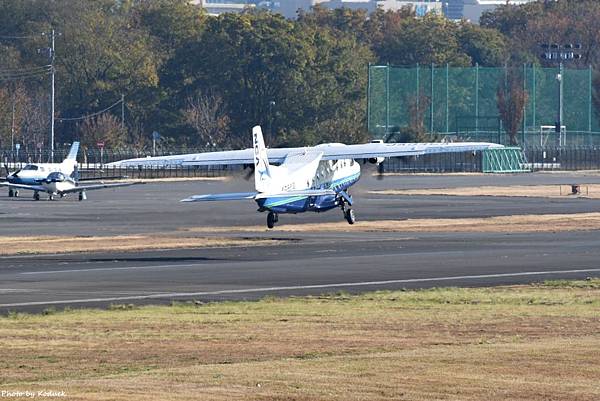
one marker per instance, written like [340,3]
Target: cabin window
[31,167]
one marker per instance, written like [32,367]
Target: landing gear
[50,197]
[16,193]
[36,196]
[82,196]
[11,193]
[349,215]
[346,206]
[272,218]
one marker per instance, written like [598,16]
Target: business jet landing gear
[36,196]
[82,196]
[272,218]
[13,192]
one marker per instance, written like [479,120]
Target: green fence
[463,101]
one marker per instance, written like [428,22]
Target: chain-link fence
[464,102]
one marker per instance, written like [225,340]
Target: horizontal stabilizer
[221,197]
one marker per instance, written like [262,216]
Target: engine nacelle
[376,160]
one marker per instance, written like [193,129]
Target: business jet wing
[24,186]
[94,187]
[331,151]
[257,195]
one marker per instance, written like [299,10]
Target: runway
[303,263]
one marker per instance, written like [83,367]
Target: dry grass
[516,223]
[540,191]
[59,244]
[510,343]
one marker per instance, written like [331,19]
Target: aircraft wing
[94,187]
[256,195]
[331,151]
[221,197]
[39,188]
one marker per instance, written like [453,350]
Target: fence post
[387,101]
[431,100]
[447,97]
[477,99]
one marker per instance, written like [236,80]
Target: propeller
[250,172]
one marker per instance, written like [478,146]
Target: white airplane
[54,179]
[32,174]
[296,180]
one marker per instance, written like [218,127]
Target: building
[472,9]
[289,8]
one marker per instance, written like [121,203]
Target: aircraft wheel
[10,193]
[16,193]
[82,196]
[350,217]
[271,220]
[36,196]
[50,197]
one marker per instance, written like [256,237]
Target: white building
[472,9]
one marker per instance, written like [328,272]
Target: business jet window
[31,167]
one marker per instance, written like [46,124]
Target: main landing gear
[13,193]
[36,195]
[346,207]
[82,196]
[272,218]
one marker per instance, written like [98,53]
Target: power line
[93,114]
[19,36]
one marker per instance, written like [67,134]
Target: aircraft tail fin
[73,152]
[262,173]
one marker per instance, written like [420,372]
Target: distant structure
[289,8]
[472,9]
[454,9]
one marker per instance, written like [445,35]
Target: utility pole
[52,37]
[50,51]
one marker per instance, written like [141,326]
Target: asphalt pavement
[303,263]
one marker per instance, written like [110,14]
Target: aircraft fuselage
[338,175]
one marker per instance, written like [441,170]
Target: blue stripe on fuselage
[299,204]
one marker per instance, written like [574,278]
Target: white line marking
[299,287]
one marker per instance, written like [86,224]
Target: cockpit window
[30,167]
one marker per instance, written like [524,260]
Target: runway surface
[304,263]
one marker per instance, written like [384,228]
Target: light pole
[271,105]
[557,53]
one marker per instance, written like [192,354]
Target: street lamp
[554,52]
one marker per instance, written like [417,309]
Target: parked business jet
[32,174]
[55,179]
[296,180]
[57,183]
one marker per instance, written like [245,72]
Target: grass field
[537,342]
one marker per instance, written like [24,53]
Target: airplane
[54,179]
[33,174]
[297,180]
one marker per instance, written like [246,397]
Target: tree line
[203,81]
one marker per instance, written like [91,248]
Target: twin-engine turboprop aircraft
[55,179]
[296,180]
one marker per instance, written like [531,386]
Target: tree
[104,128]
[207,115]
[511,99]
